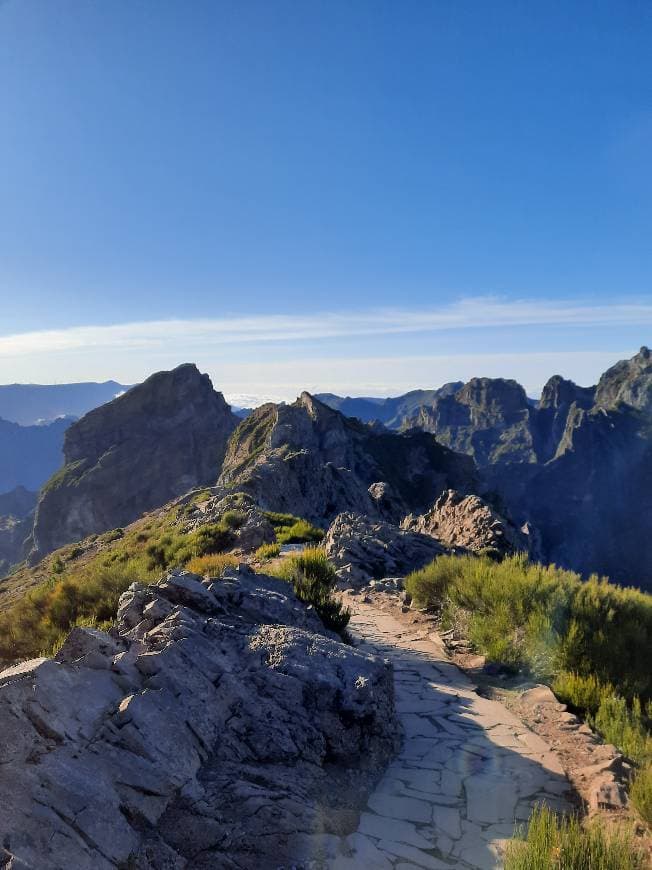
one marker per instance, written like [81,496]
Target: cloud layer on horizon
[315,350]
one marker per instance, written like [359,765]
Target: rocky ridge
[158,440]
[310,460]
[467,522]
[219,724]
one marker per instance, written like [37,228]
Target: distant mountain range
[29,404]
[30,454]
[391,412]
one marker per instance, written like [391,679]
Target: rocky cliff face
[159,440]
[312,461]
[490,419]
[589,496]
[219,725]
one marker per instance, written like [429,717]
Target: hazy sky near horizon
[362,197]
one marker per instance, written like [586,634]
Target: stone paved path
[468,770]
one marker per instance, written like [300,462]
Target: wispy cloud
[476,313]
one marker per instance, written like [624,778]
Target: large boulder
[363,549]
[157,441]
[248,524]
[219,725]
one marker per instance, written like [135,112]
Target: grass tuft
[212,565]
[553,843]
[267,551]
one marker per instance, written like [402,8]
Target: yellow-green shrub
[641,792]
[267,551]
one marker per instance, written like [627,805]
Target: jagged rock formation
[310,460]
[219,726]
[30,454]
[629,382]
[468,523]
[576,466]
[159,440]
[362,549]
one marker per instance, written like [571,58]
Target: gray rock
[226,727]
[363,549]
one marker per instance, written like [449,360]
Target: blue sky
[357,196]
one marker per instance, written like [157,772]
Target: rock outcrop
[160,439]
[310,460]
[468,523]
[249,525]
[363,549]
[628,382]
[218,726]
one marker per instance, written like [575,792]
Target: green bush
[293,530]
[233,519]
[41,619]
[174,548]
[113,535]
[545,619]
[625,726]
[564,844]
[313,578]
[584,693]
[267,551]
[90,590]
[641,792]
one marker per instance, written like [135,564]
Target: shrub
[267,551]
[313,578]
[233,519]
[293,530]
[563,844]
[173,548]
[46,614]
[583,693]
[641,792]
[545,619]
[625,726]
[213,565]
[113,535]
